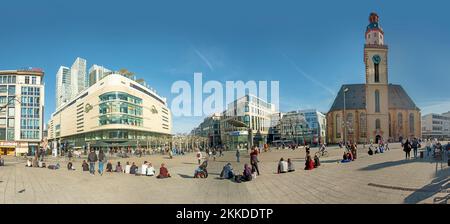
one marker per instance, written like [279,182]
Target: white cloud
[207,62]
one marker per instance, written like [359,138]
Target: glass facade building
[21,111]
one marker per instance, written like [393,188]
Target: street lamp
[345,119]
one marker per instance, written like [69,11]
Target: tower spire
[374,32]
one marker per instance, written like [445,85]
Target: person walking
[101,161]
[92,158]
[254,160]
[407,149]
[238,155]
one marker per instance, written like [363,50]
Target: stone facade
[375,110]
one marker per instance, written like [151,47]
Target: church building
[376,110]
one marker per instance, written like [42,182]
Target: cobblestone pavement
[382,178]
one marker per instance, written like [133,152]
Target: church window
[399,121]
[411,123]
[338,126]
[362,125]
[349,123]
[377,73]
[377,101]
[377,124]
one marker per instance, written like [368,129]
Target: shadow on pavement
[186,176]
[394,163]
[439,184]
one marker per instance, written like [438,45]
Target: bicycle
[322,152]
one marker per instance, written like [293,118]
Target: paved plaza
[382,178]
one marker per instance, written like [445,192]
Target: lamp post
[345,120]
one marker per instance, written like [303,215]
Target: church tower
[375,59]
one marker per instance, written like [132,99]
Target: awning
[237,123]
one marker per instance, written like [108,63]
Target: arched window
[377,124]
[338,126]
[400,121]
[377,101]
[411,123]
[362,125]
[350,123]
[377,71]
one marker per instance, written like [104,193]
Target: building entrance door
[377,139]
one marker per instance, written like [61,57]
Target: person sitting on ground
[316,161]
[144,168]
[282,166]
[345,158]
[382,148]
[109,167]
[150,170]
[163,172]
[309,163]
[85,166]
[29,163]
[70,166]
[41,164]
[370,151]
[54,167]
[127,168]
[350,156]
[201,171]
[119,168]
[227,172]
[246,175]
[133,168]
[291,167]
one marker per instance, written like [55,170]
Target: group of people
[311,163]
[228,173]
[435,147]
[381,148]
[146,169]
[285,166]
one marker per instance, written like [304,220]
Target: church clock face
[376,59]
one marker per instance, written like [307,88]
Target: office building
[116,111]
[21,111]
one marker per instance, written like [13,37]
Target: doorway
[378,139]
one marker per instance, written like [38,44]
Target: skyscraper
[97,72]
[63,87]
[78,76]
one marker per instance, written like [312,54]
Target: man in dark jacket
[92,158]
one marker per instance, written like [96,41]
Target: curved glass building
[116,111]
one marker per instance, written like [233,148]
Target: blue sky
[311,47]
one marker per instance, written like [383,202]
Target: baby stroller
[201,171]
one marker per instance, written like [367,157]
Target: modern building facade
[274,129]
[210,129]
[375,110]
[63,86]
[21,111]
[245,120]
[436,126]
[78,76]
[116,111]
[97,72]
[303,126]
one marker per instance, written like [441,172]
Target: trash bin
[421,154]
